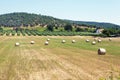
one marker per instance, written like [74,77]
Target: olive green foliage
[112,32]
[26,19]
[1,29]
[68,27]
[50,27]
[49,31]
[95,24]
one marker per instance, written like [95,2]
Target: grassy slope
[57,61]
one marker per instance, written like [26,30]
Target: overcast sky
[82,10]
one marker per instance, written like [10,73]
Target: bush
[18,33]
[8,33]
[1,29]
[68,27]
[50,28]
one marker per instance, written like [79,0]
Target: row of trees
[69,28]
[111,32]
[52,28]
[106,32]
[66,28]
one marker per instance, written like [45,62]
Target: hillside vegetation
[27,19]
[95,24]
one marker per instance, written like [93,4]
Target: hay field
[58,61]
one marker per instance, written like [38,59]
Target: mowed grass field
[58,61]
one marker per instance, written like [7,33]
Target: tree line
[111,32]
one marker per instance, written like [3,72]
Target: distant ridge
[97,24]
[29,19]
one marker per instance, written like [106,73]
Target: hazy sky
[83,10]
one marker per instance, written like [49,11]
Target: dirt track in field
[28,63]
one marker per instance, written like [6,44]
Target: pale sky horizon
[80,10]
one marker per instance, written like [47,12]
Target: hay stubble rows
[56,61]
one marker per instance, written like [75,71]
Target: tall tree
[68,27]
[50,28]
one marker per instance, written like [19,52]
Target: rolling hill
[25,19]
[28,19]
[97,24]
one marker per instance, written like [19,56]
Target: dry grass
[56,61]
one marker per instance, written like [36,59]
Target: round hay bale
[101,51]
[93,43]
[110,39]
[73,41]
[48,39]
[63,41]
[87,40]
[46,43]
[32,42]
[99,40]
[17,44]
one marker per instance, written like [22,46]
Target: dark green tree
[1,29]
[50,28]
[106,32]
[80,29]
[77,29]
[68,27]
[56,27]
